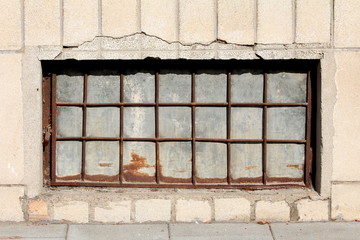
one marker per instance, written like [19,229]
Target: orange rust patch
[250,167]
[105,164]
[131,170]
[297,166]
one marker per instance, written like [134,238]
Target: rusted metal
[53,123]
[83,157]
[46,118]
[131,170]
[193,143]
[101,178]
[308,153]
[264,162]
[228,129]
[157,152]
[121,170]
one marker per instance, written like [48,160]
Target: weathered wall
[32,30]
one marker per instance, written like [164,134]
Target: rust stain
[69,178]
[105,164]
[169,179]
[297,166]
[250,167]
[101,178]
[180,170]
[131,170]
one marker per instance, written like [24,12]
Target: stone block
[10,27]
[275,22]
[232,209]
[152,210]
[10,203]
[272,211]
[347,23]
[42,22]
[193,210]
[113,212]
[309,210]
[38,210]
[73,211]
[236,21]
[345,204]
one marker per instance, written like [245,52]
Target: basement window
[179,124]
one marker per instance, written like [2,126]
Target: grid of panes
[207,127]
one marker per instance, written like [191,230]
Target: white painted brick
[42,22]
[193,210]
[10,27]
[309,210]
[10,203]
[151,210]
[347,23]
[275,21]
[114,212]
[73,211]
[272,211]
[232,209]
[345,204]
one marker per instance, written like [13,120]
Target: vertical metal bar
[84,129]
[121,128]
[53,125]
[308,132]
[157,170]
[193,143]
[46,123]
[265,131]
[229,127]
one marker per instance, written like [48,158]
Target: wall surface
[35,30]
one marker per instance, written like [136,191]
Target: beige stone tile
[347,23]
[152,210]
[10,203]
[345,204]
[193,210]
[309,210]
[10,27]
[272,211]
[232,209]
[113,212]
[73,211]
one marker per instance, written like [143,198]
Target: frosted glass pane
[102,160]
[246,123]
[211,160]
[286,123]
[103,122]
[247,87]
[69,122]
[246,160]
[175,122]
[139,122]
[287,87]
[175,87]
[175,161]
[285,160]
[210,122]
[140,88]
[103,89]
[139,162]
[211,87]
[69,88]
[68,159]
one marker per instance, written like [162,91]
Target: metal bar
[308,133]
[84,129]
[193,143]
[121,170]
[157,163]
[265,130]
[46,124]
[228,133]
[53,125]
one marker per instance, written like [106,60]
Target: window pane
[69,122]
[175,161]
[175,122]
[69,88]
[103,89]
[103,122]
[210,87]
[139,88]
[102,161]
[175,88]
[211,160]
[246,160]
[285,160]
[287,87]
[246,123]
[210,122]
[247,87]
[139,162]
[139,122]
[68,159]
[286,123]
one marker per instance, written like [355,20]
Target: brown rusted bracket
[46,135]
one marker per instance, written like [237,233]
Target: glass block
[285,160]
[246,160]
[103,122]
[102,160]
[286,123]
[103,89]
[69,88]
[139,88]
[211,87]
[139,122]
[139,162]
[175,122]
[69,122]
[175,88]
[246,123]
[176,161]
[210,122]
[68,159]
[285,87]
[211,160]
[247,87]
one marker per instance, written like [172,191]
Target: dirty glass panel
[211,86]
[285,160]
[139,87]
[103,122]
[211,160]
[246,123]
[210,122]
[139,162]
[175,122]
[103,89]
[139,122]
[286,123]
[69,88]
[285,87]
[175,87]
[246,160]
[175,161]
[102,160]
[68,159]
[69,122]
[247,87]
